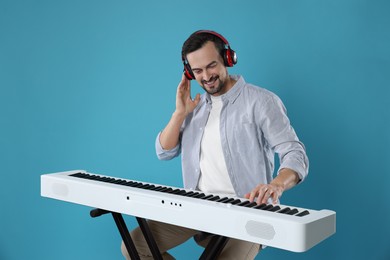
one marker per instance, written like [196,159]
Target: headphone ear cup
[188,72]
[229,57]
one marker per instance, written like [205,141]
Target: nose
[206,75]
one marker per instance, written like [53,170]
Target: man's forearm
[170,135]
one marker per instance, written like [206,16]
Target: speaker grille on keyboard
[259,229]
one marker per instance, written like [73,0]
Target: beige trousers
[169,236]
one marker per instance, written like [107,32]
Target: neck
[227,86]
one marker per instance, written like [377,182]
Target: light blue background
[88,84]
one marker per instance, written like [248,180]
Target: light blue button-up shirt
[254,126]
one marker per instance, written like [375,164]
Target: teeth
[210,82]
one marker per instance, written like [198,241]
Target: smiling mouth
[210,82]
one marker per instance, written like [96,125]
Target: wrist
[179,115]
[286,179]
[279,185]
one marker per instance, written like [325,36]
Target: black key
[129,183]
[245,202]
[144,186]
[250,205]
[148,187]
[99,178]
[268,207]
[236,201]
[78,175]
[303,213]
[292,212]
[261,206]
[175,191]
[207,197]
[189,193]
[200,195]
[159,188]
[214,198]
[151,187]
[87,176]
[181,192]
[165,189]
[276,208]
[168,190]
[193,194]
[123,182]
[223,199]
[156,188]
[93,177]
[284,211]
[136,185]
[228,200]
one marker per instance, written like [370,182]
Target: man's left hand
[285,180]
[263,192]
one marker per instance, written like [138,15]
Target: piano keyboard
[290,228]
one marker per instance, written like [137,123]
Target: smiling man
[209,69]
[227,138]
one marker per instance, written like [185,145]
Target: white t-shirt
[214,177]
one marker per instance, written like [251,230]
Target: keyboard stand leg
[214,248]
[124,232]
[149,238]
[212,251]
[120,223]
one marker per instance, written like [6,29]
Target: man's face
[209,69]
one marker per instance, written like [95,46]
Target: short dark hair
[198,39]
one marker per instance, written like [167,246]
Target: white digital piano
[280,226]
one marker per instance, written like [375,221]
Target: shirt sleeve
[163,154]
[283,139]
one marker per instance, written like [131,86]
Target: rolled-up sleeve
[163,154]
[283,139]
[293,156]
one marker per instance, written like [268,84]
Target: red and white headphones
[229,56]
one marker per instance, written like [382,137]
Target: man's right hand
[184,103]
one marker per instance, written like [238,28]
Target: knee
[124,251]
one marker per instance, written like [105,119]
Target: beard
[215,88]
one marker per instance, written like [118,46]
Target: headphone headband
[214,33]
